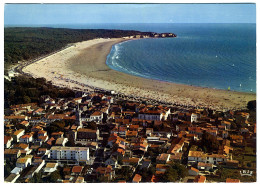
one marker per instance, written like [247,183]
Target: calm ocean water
[207,55]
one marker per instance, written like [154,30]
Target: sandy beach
[84,64]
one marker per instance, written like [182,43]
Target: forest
[23,89]
[25,43]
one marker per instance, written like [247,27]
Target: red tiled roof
[200,179]
[96,113]
[11,151]
[154,179]
[229,180]
[26,136]
[21,145]
[87,130]
[194,169]
[6,139]
[77,169]
[18,132]
[137,178]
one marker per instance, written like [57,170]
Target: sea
[214,55]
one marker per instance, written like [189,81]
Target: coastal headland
[83,64]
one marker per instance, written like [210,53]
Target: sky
[37,14]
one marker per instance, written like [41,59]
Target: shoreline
[84,64]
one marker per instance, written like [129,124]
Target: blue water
[207,55]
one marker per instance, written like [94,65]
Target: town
[100,137]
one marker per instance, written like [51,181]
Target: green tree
[209,142]
[181,169]
[171,175]
[26,99]
[37,178]
[92,125]
[54,176]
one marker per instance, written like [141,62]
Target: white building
[18,134]
[27,138]
[198,156]
[16,170]
[50,167]
[23,162]
[69,153]
[96,116]
[194,117]
[151,115]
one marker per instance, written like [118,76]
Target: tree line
[25,43]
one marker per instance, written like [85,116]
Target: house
[176,145]
[140,148]
[137,178]
[50,167]
[131,161]
[193,171]
[42,133]
[42,151]
[69,153]
[162,158]
[213,132]
[57,135]
[112,162]
[106,172]
[227,124]
[176,157]
[24,148]
[16,170]
[161,168]
[229,180]
[146,163]
[12,178]
[200,179]
[17,134]
[153,115]
[155,179]
[84,134]
[80,180]
[42,139]
[50,141]
[131,134]
[8,141]
[25,123]
[216,158]
[12,154]
[61,141]
[36,128]
[38,111]
[195,130]
[194,117]
[196,156]
[76,170]
[96,116]
[18,118]
[27,138]
[205,166]
[23,162]
[67,170]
